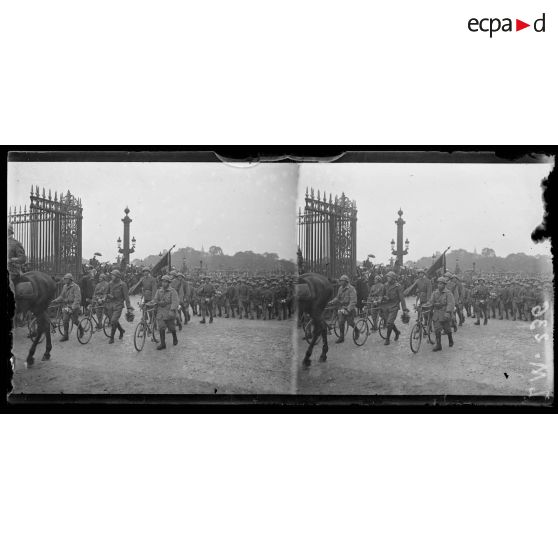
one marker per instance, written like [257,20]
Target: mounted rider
[16,257]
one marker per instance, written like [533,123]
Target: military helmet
[391,274]
[69,276]
[448,274]
[378,278]
[344,278]
[442,280]
[166,278]
[482,279]
[422,271]
[180,275]
[146,269]
[116,273]
[174,272]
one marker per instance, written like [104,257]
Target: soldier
[505,300]
[393,297]
[183,302]
[466,300]
[176,284]
[375,296]
[16,257]
[529,300]
[70,297]
[117,296]
[148,285]
[346,299]
[166,300]
[206,294]
[99,294]
[87,288]
[257,299]
[244,298]
[267,301]
[231,299]
[423,288]
[219,299]
[443,303]
[516,298]
[481,296]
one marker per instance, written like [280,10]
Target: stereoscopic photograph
[152,277]
[396,277]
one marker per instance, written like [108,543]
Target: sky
[188,204]
[464,206]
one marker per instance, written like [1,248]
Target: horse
[37,301]
[313,292]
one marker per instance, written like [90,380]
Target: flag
[165,261]
[440,263]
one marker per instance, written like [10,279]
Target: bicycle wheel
[382,330]
[416,337]
[86,331]
[430,331]
[106,326]
[139,336]
[360,331]
[154,332]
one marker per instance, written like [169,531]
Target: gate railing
[51,232]
[327,234]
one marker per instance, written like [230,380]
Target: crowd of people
[449,296]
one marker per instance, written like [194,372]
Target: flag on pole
[440,263]
[165,261]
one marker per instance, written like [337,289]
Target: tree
[216,251]
[488,253]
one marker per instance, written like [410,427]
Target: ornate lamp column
[126,251]
[400,252]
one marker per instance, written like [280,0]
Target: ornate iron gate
[50,232]
[327,235]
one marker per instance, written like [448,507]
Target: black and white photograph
[407,278]
[152,277]
[424,280]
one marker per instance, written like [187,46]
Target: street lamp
[392,244]
[119,243]
[133,243]
[407,245]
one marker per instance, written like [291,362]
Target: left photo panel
[151,277]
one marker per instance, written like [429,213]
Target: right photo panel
[419,278]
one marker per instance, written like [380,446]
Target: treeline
[216,260]
[488,262]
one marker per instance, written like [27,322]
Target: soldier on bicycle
[375,296]
[166,300]
[70,297]
[99,294]
[346,299]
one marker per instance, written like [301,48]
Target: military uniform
[375,295]
[443,304]
[346,299]
[148,287]
[70,297]
[231,300]
[117,296]
[393,297]
[99,294]
[206,294]
[16,259]
[480,298]
[244,298]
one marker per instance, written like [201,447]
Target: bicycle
[420,328]
[56,322]
[331,319]
[146,326]
[90,323]
[364,324]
